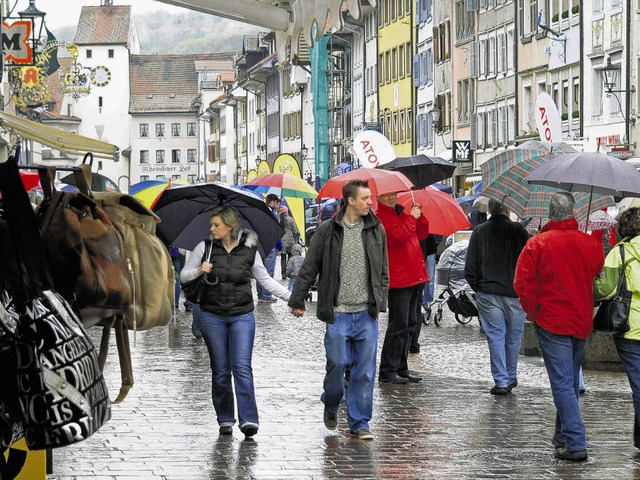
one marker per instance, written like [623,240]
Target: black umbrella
[184,212]
[421,169]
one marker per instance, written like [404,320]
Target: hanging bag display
[613,315]
[85,251]
[61,392]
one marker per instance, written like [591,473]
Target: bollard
[175,332]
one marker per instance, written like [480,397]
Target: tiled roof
[104,25]
[163,83]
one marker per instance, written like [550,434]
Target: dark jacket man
[323,261]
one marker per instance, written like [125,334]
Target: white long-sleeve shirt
[193,262]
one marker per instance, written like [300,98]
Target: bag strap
[124,354]
[25,235]
[622,278]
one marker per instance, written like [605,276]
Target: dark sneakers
[573,455]
[330,419]
[226,430]
[512,385]
[249,431]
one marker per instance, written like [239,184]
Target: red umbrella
[441,209]
[380,182]
[29,179]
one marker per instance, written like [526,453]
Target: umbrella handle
[205,280]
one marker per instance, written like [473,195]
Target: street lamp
[37,19]
[435,114]
[304,151]
[610,80]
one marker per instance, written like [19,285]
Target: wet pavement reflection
[446,427]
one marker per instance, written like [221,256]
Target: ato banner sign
[548,119]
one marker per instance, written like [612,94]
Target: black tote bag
[613,315]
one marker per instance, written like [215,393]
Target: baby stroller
[457,293]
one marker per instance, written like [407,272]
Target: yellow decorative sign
[251,175]
[263,168]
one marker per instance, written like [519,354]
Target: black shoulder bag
[613,315]
[193,289]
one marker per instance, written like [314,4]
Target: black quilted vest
[232,295]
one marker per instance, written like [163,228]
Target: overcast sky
[61,13]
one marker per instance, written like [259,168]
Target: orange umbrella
[441,209]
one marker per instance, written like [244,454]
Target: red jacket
[554,278]
[404,232]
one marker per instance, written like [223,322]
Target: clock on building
[100,76]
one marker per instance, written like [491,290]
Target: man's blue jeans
[351,340]
[563,355]
[270,264]
[629,352]
[502,320]
[229,340]
[427,294]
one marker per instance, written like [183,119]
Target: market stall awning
[67,142]
[289,20]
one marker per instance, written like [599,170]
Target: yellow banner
[251,175]
[286,163]
[263,168]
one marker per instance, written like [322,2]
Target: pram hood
[450,268]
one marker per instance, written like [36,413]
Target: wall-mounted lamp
[304,151]
[258,162]
[610,80]
[37,18]
[435,115]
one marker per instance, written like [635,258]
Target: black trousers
[402,322]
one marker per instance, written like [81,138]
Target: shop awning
[67,142]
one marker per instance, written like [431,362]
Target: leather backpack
[86,251]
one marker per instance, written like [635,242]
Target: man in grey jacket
[348,257]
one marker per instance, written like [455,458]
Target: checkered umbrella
[503,178]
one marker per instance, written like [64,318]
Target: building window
[144,178]
[159,156]
[175,129]
[159,129]
[89,53]
[175,156]
[144,129]
[175,177]
[191,178]
[111,53]
[401,61]
[191,129]
[191,155]
[144,156]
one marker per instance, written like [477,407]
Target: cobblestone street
[448,426]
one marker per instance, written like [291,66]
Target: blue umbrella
[444,187]
[469,199]
[477,187]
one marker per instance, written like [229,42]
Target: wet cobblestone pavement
[446,427]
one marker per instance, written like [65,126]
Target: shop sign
[462,153]
[15,42]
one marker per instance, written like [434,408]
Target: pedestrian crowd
[363,263]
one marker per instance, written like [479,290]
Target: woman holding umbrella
[229,260]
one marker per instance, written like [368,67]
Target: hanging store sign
[15,42]
[373,148]
[548,119]
[462,153]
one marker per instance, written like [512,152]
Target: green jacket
[606,284]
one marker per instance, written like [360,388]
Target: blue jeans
[563,355]
[270,264]
[178,263]
[351,340]
[229,340]
[195,323]
[629,352]
[292,282]
[427,294]
[502,320]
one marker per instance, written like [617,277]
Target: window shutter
[474,59]
[436,45]
[426,130]
[418,16]
[416,70]
[494,127]
[425,68]
[474,131]
[503,52]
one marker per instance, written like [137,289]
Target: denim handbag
[613,315]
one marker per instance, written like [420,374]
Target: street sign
[15,42]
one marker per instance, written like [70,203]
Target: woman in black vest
[230,258]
